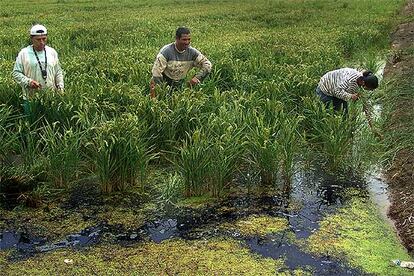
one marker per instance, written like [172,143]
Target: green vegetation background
[267,59]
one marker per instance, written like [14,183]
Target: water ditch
[317,196]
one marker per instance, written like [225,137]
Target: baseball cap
[38,30]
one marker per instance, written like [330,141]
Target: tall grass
[249,108]
[192,163]
[8,136]
[63,153]
[119,153]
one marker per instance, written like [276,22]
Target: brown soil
[401,173]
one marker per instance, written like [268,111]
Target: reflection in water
[312,197]
[162,230]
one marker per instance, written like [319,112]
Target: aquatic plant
[119,153]
[8,137]
[216,256]
[192,161]
[353,233]
[63,153]
[264,150]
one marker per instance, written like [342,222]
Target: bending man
[341,85]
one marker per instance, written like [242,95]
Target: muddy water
[378,190]
[317,196]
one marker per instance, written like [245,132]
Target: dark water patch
[19,241]
[16,190]
[186,223]
[278,246]
[163,229]
[86,237]
[84,193]
[319,196]
[26,246]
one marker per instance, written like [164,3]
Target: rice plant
[227,143]
[192,162]
[63,153]
[263,150]
[8,136]
[50,107]
[119,153]
[332,135]
[290,142]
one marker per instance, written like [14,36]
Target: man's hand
[34,84]
[354,97]
[193,81]
[152,89]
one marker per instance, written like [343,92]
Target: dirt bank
[399,123]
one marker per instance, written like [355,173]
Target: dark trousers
[174,85]
[337,103]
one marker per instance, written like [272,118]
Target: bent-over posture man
[341,85]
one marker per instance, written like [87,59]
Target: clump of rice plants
[273,142]
[119,153]
[332,136]
[192,162]
[50,107]
[290,142]
[8,137]
[227,143]
[62,146]
[263,150]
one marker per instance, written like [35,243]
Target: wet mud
[400,173]
[312,198]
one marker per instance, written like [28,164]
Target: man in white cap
[37,66]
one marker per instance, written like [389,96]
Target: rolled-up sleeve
[204,64]
[341,92]
[158,68]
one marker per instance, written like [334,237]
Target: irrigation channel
[316,195]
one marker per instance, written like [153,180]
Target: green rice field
[255,117]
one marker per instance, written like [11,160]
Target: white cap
[38,30]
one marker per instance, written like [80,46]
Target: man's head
[182,38]
[369,80]
[38,35]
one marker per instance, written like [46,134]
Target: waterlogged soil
[257,232]
[400,175]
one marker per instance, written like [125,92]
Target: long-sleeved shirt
[175,65]
[27,69]
[340,83]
